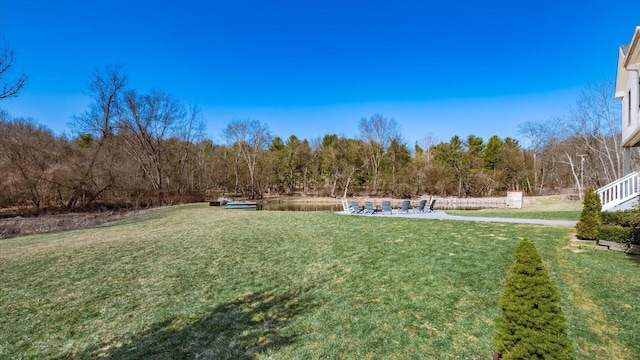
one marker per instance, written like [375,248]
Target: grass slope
[194,281]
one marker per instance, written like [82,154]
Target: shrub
[627,218]
[590,221]
[615,233]
[531,324]
[635,235]
[620,226]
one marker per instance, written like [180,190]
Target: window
[629,108]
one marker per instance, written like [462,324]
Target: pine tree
[590,221]
[531,325]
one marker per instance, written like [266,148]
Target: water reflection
[299,207]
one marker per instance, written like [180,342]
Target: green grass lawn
[201,282]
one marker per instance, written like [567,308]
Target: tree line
[140,149]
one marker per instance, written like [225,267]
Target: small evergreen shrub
[615,233]
[590,221]
[620,226]
[532,324]
[628,218]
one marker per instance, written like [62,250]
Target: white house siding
[628,90]
[631,111]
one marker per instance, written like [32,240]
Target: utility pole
[581,174]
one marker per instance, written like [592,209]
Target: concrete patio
[441,215]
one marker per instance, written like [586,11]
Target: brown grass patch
[29,225]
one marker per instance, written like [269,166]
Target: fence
[451,203]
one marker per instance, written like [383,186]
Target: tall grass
[194,281]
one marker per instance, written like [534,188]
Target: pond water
[299,207]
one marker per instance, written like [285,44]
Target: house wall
[631,111]
[628,91]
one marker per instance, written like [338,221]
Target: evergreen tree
[491,153]
[590,221]
[531,325]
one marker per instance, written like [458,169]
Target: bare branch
[10,86]
[105,88]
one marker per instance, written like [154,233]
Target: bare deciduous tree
[147,121]
[540,135]
[183,150]
[378,132]
[105,88]
[11,85]
[596,121]
[93,164]
[28,152]
[251,137]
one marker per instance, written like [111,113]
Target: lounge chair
[345,206]
[431,203]
[368,207]
[356,208]
[420,207]
[386,207]
[404,207]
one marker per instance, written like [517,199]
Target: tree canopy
[144,148]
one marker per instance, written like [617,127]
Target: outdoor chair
[356,208]
[345,206]
[404,207]
[431,203]
[368,207]
[420,207]
[386,207]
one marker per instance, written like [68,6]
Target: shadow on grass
[251,324]
[634,258]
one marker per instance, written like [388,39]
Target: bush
[590,221]
[628,218]
[635,236]
[620,226]
[619,234]
[531,325]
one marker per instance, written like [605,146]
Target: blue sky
[314,68]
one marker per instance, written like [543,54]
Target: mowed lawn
[200,282]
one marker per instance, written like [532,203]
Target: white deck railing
[619,191]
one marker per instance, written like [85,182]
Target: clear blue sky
[314,68]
